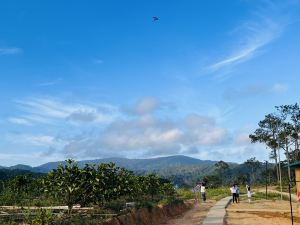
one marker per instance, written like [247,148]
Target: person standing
[233,192]
[196,190]
[237,193]
[249,194]
[202,190]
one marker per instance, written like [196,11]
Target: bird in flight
[155,18]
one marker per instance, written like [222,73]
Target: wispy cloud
[279,88]
[98,61]
[49,110]
[254,91]
[19,121]
[10,51]
[36,140]
[253,35]
[50,83]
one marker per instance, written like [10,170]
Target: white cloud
[10,51]
[33,158]
[145,105]
[48,110]
[234,153]
[143,135]
[279,88]
[9,159]
[147,135]
[242,139]
[148,105]
[20,121]
[253,35]
[254,90]
[36,140]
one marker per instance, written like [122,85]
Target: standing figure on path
[196,190]
[248,193]
[237,193]
[202,190]
[233,192]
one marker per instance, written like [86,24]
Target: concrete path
[216,214]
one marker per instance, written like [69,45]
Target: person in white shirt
[249,194]
[233,192]
[202,190]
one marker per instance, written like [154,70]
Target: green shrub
[146,204]
[170,201]
[185,193]
[39,217]
[115,205]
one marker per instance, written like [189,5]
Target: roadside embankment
[150,216]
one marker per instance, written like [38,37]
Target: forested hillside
[181,170]
[6,174]
[152,164]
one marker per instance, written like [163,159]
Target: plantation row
[91,185]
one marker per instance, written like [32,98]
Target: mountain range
[137,165]
[184,171]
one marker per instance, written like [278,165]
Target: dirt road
[194,216]
[261,213]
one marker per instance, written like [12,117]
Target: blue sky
[100,78]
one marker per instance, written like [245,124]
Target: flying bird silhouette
[155,18]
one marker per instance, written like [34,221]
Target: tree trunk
[296,148]
[288,158]
[70,209]
[276,164]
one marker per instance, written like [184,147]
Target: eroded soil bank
[151,216]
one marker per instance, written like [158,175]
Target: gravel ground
[194,216]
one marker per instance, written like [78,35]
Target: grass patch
[262,196]
[217,193]
[185,193]
[286,189]
[211,193]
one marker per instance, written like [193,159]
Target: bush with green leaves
[39,217]
[102,184]
[65,182]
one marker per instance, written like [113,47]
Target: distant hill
[152,164]
[6,174]
[20,167]
[181,169]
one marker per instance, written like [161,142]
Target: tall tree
[253,164]
[292,117]
[268,133]
[221,167]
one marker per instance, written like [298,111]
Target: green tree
[152,185]
[254,165]
[65,183]
[221,167]
[87,184]
[20,187]
[107,185]
[268,133]
[167,189]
